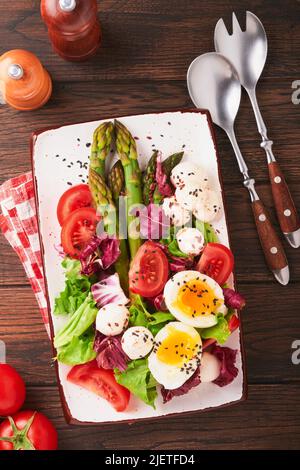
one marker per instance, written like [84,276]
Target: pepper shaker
[73,27]
[24,83]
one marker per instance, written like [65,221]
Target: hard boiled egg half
[176,354]
[194,299]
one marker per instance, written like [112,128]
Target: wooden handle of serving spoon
[271,245]
[285,207]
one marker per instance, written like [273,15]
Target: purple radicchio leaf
[164,187]
[109,290]
[227,358]
[233,299]
[110,354]
[176,263]
[159,303]
[192,382]
[99,254]
[154,224]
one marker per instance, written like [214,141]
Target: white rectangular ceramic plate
[60,157]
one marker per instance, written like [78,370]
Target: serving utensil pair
[214,82]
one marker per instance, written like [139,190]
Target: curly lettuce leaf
[78,324]
[139,316]
[220,332]
[208,232]
[77,288]
[138,379]
[79,350]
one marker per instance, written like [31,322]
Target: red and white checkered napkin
[18,223]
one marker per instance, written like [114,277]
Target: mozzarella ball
[186,173]
[178,215]
[207,206]
[210,367]
[112,319]
[137,342]
[188,195]
[190,241]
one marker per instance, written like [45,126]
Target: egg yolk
[196,298]
[178,348]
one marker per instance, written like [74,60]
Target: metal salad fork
[247,51]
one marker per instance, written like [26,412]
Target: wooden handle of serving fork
[271,245]
[286,211]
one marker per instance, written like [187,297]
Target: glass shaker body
[73,27]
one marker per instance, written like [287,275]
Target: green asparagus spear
[171,162]
[126,148]
[102,200]
[149,183]
[101,146]
[116,180]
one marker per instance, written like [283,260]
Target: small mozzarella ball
[178,215]
[137,342]
[112,319]
[190,241]
[188,195]
[188,173]
[207,206]
[210,367]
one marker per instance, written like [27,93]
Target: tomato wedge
[149,271]
[216,262]
[78,230]
[102,382]
[74,198]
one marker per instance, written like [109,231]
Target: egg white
[172,288]
[169,375]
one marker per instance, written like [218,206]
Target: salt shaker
[24,83]
[73,27]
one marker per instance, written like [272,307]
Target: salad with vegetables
[146,309]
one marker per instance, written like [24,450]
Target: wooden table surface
[147,47]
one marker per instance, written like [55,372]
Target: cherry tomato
[74,198]
[102,382]
[78,230]
[12,390]
[216,262]
[28,430]
[149,271]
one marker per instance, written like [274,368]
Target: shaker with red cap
[73,27]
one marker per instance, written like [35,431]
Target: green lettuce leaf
[139,380]
[139,316]
[78,324]
[208,232]
[77,288]
[79,350]
[220,332]
[174,249]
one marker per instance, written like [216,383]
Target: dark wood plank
[270,418]
[76,103]
[155,39]
[270,323]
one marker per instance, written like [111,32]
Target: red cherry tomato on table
[74,198]
[149,271]
[217,262]
[28,430]
[102,382]
[78,230]
[12,390]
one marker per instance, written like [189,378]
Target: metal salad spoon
[247,51]
[213,84]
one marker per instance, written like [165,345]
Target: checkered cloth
[18,223]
